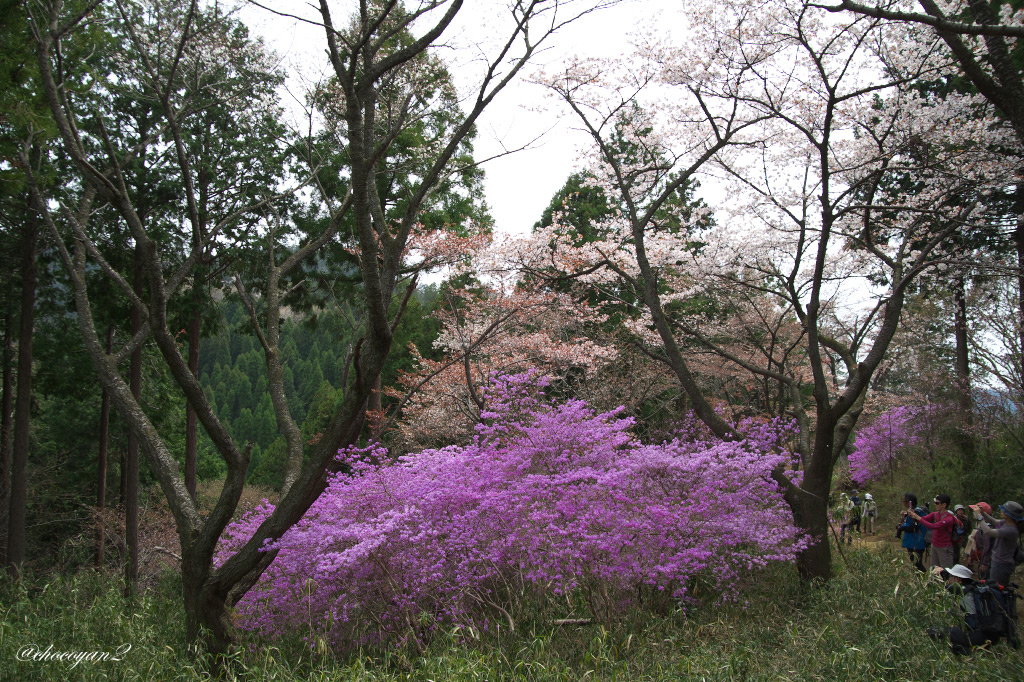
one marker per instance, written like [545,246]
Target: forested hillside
[314,350]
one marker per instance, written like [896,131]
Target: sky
[520,185]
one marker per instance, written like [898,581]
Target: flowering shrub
[879,446]
[547,499]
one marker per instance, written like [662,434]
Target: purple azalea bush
[879,446]
[548,499]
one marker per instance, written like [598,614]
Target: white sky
[518,186]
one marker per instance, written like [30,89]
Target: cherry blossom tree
[982,38]
[501,325]
[843,180]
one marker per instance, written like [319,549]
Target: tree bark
[16,540]
[131,502]
[101,473]
[809,503]
[191,423]
[964,435]
[6,429]
[1018,242]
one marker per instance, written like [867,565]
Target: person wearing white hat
[961,533]
[962,572]
[870,514]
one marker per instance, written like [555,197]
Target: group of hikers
[972,551]
[852,511]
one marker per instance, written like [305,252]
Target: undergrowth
[867,624]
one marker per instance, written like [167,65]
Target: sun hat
[867,496]
[961,571]
[1013,510]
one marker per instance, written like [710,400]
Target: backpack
[960,532]
[909,525]
[995,613]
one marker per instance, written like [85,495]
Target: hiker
[843,511]
[961,533]
[911,532]
[943,522]
[913,541]
[855,513]
[1005,539]
[869,514]
[978,546]
[960,583]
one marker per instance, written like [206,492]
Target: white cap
[961,571]
[867,496]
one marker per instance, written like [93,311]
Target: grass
[867,624]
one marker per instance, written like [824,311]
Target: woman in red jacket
[942,522]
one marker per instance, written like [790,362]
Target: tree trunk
[101,473]
[191,425]
[1018,242]
[375,406]
[131,501]
[207,616]
[6,404]
[16,540]
[964,435]
[122,481]
[809,503]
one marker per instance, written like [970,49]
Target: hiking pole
[839,543]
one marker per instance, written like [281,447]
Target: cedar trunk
[101,474]
[22,409]
[6,404]
[131,501]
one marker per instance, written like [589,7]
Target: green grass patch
[867,624]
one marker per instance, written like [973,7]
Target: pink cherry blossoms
[546,500]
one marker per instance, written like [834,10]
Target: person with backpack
[943,522]
[842,512]
[1005,538]
[869,514]
[912,532]
[855,514]
[989,613]
[976,549]
[961,533]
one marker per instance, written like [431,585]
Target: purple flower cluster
[546,500]
[879,446]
